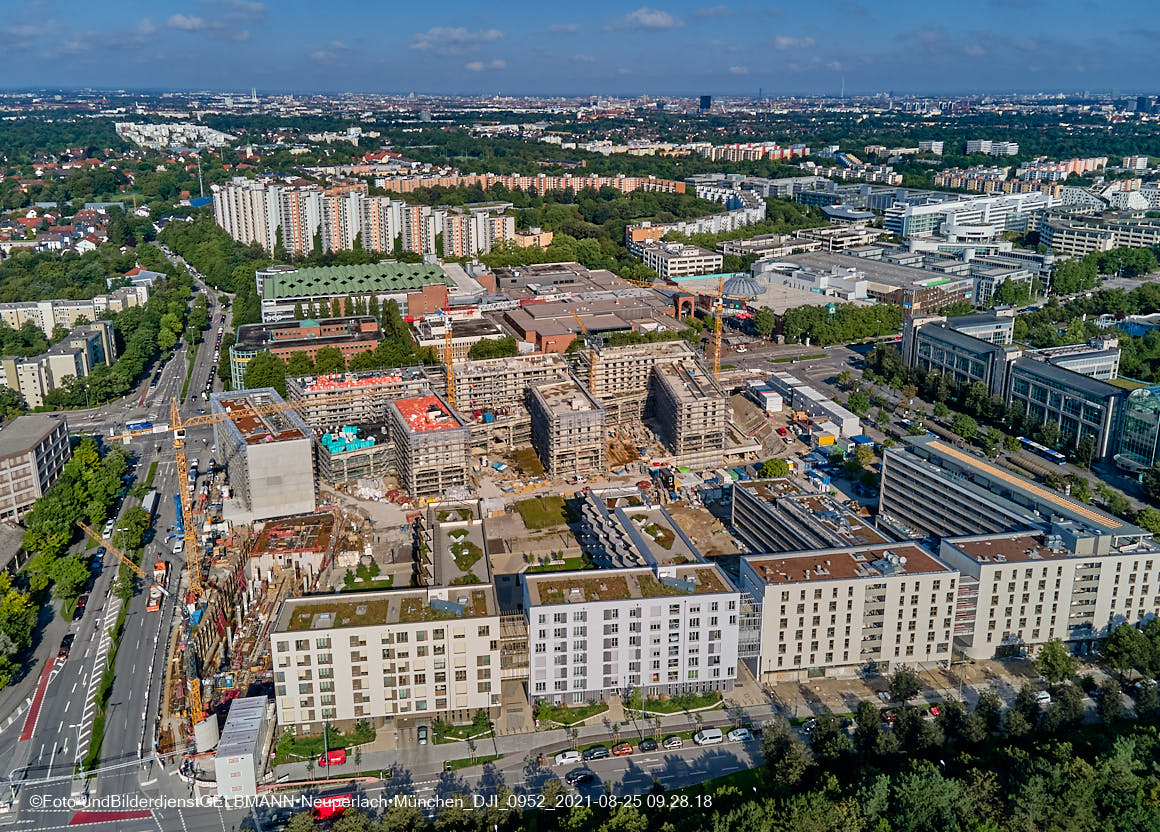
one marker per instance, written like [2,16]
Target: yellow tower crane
[718,309]
[192,553]
[449,359]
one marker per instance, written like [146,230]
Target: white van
[708,736]
[179,547]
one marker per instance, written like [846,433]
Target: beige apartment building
[33,452]
[1021,590]
[408,654]
[833,612]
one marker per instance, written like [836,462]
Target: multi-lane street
[44,745]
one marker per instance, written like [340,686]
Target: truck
[157,590]
[149,503]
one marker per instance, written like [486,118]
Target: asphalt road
[66,713]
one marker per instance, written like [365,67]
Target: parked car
[782,432]
[708,736]
[578,777]
[335,757]
[597,752]
[739,735]
[79,612]
[1043,698]
[648,744]
[566,757]
[671,743]
[179,546]
[889,715]
[422,734]
[65,646]
[809,725]
[621,749]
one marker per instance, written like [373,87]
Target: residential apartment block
[691,411]
[992,148]
[474,229]
[418,289]
[834,612]
[431,445]
[49,314]
[568,429]
[776,516]
[76,356]
[654,617]
[1020,591]
[33,451]
[1006,212]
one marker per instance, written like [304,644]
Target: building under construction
[620,377]
[492,394]
[269,456]
[431,445]
[329,403]
[690,411]
[567,428]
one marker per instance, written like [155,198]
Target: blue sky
[582,47]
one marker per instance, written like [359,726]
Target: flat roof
[658,536]
[350,280]
[1066,505]
[292,333]
[1003,548]
[392,606]
[770,489]
[243,727]
[424,414]
[693,386]
[259,428]
[300,533]
[838,519]
[25,432]
[870,562]
[623,584]
[566,396]
[879,271]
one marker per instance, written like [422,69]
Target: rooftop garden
[465,554]
[353,613]
[454,515]
[662,536]
[415,609]
[561,564]
[609,588]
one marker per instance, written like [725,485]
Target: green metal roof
[352,280]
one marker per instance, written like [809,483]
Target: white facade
[671,260]
[238,760]
[606,631]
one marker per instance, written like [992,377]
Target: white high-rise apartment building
[257,211]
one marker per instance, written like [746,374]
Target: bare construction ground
[706,531]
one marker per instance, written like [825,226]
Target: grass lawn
[467,762]
[744,781]
[573,715]
[288,749]
[543,512]
[453,733]
[528,462]
[189,370]
[152,473]
[366,586]
[569,565]
[466,554]
[677,704]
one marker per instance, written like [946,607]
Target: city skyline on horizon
[676,48]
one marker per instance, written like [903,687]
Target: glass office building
[1140,433]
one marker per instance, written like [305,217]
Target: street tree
[1055,662]
[904,685]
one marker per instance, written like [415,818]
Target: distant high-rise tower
[1143,104]
[253,95]
[706,103]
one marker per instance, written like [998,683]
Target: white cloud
[483,66]
[212,28]
[784,42]
[739,70]
[974,50]
[453,39]
[647,17]
[583,59]
[564,27]
[713,11]
[186,23]
[244,7]
[834,66]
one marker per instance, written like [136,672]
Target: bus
[142,425]
[1042,450]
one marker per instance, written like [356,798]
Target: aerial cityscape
[664,418]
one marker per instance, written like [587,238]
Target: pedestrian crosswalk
[84,735]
